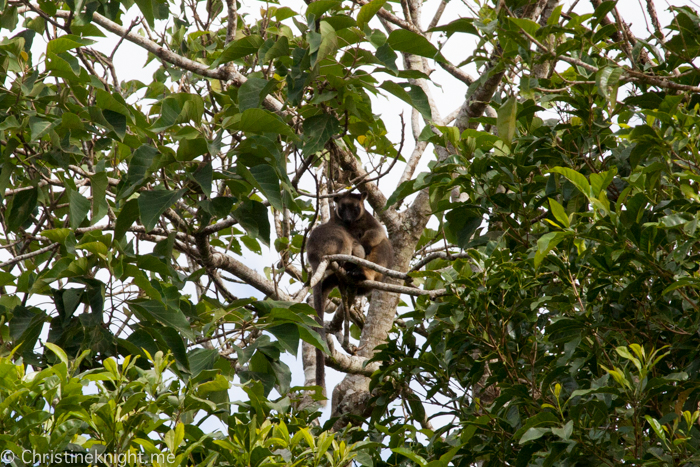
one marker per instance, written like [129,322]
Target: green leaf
[249,93]
[287,335]
[415,97]
[547,242]
[170,340]
[268,182]
[204,176]
[99,183]
[146,7]
[318,130]
[410,42]
[328,45]
[320,7]
[565,431]
[139,168]
[253,217]
[23,204]
[461,224]
[167,316]
[411,455]
[533,433]
[464,25]
[576,178]
[59,352]
[56,235]
[178,108]
[67,42]
[283,13]
[263,121]
[559,212]
[368,11]
[238,49]
[600,181]
[152,204]
[79,208]
[608,81]
[526,25]
[656,426]
[40,126]
[279,49]
[126,218]
[506,121]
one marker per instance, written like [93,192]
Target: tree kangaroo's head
[350,206]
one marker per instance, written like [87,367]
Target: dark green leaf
[152,204]
[23,204]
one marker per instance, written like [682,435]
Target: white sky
[447,92]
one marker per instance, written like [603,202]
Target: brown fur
[369,232]
[350,231]
[331,238]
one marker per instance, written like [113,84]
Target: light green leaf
[533,433]
[56,235]
[547,242]
[58,351]
[411,455]
[506,121]
[565,431]
[608,81]
[559,212]
[329,43]
[576,178]
[67,42]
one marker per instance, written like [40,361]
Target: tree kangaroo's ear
[363,196]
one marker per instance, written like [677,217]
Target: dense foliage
[550,308]
[139,417]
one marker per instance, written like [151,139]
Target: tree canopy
[542,308]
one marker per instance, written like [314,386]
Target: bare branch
[19,258]
[401,289]
[365,263]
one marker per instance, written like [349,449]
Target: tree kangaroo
[350,231]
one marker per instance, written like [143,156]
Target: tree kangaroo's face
[349,207]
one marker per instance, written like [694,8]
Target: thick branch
[349,363]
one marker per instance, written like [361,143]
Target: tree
[562,187]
